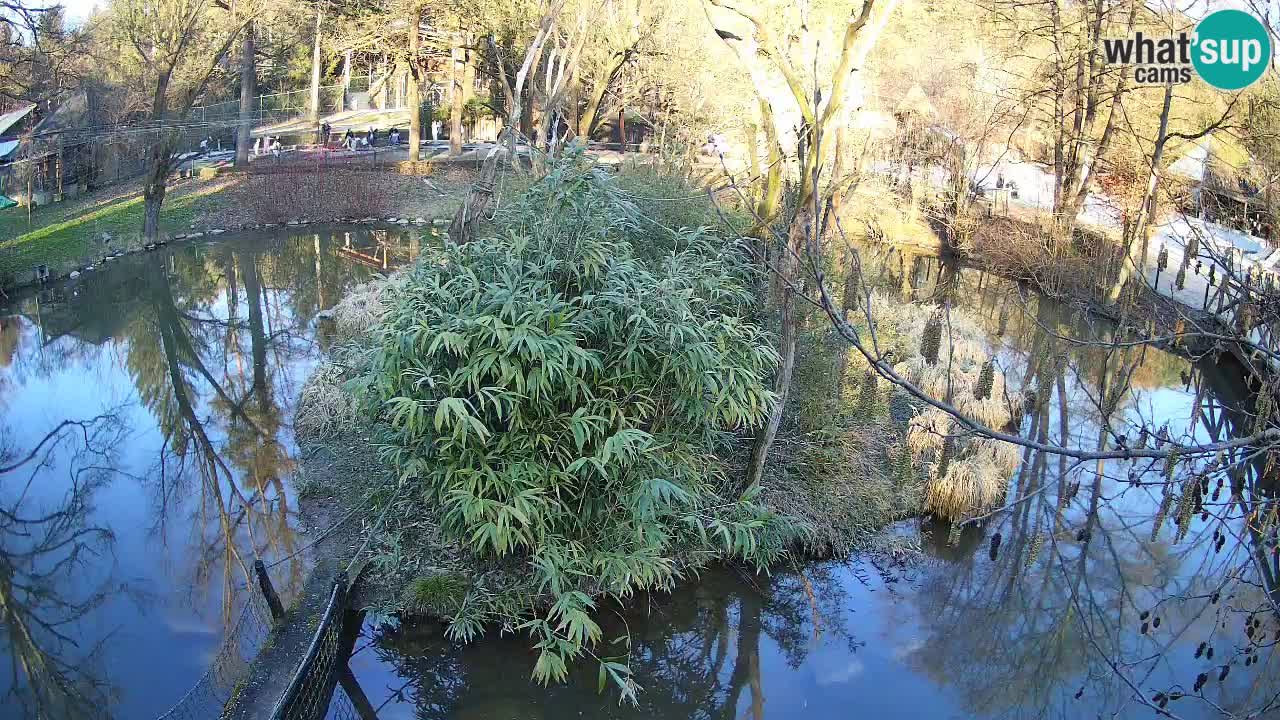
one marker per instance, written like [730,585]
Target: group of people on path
[269,144]
[351,141]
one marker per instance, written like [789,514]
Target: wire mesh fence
[274,107]
[311,688]
[206,699]
[342,707]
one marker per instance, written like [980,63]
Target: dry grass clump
[957,374]
[325,408]
[966,475]
[969,487]
[356,315]
[949,358]
[844,485]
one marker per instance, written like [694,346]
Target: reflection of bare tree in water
[1110,585]
[235,453]
[696,652]
[50,557]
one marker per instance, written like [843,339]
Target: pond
[126,539]
[1036,613]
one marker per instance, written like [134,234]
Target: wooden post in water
[268,591]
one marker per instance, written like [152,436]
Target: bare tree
[821,109]
[179,46]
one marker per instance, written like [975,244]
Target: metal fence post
[268,590]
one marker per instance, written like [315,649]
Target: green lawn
[65,235]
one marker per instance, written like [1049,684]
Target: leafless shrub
[1025,251]
[303,192]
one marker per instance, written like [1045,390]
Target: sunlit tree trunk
[414,82]
[458,72]
[468,86]
[590,116]
[759,56]
[315,70]
[1135,235]
[248,86]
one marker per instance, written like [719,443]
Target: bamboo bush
[561,401]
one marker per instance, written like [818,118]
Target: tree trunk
[468,85]
[746,660]
[257,328]
[1135,240]
[474,206]
[248,82]
[771,195]
[455,102]
[587,121]
[315,71]
[788,265]
[153,193]
[517,123]
[415,92]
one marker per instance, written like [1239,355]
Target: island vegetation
[675,320]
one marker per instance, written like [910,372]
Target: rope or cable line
[369,535]
[326,533]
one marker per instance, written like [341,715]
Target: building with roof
[1223,186]
[13,125]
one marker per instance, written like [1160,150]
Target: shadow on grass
[65,238]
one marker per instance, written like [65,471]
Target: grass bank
[67,235]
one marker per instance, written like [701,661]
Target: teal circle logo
[1232,49]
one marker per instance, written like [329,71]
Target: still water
[126,537]
[1023,617]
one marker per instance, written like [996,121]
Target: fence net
[312,686]
[342,707]
[230,665]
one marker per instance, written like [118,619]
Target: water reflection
[703,652]
[124,555]
[47,551]
[1102,580]
[1082,598]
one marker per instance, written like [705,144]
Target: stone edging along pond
[76,272]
